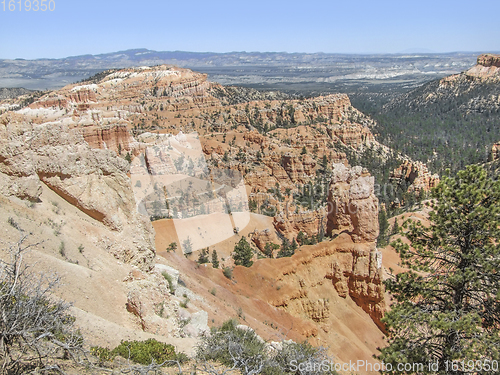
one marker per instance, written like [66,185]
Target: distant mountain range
[310,73]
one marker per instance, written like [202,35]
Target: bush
[228,341]
[241,348]
[145,352]
[34,326]
[228,272]
[103,354]
[170,281]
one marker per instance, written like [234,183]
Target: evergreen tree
[301,238]
[447,306]
[269,248]
[383,224]
[286,250]
[215,259]
[187,246]
[395,227]
[203,256]
[243,253]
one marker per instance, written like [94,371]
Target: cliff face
[350,263]
[111,137]
[92,180]
[341,267]
[487,68]
[289,224]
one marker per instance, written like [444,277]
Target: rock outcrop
[488,67]
[93,180]
[488,60]
[351,269]
[111,137]
[415,175]
[309,222]
[352,205]
[495,152]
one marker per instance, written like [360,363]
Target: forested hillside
[444,125]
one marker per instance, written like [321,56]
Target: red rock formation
[487,68]
[352,205]
[82,96]
[310,223]
[263,237]
[109,137]
[255,137]
[56,101]
[414,174]
[299,168]
[353,270]
[351,134]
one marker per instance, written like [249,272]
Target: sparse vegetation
[240,348]
[35,327]
[62,249]
[145,352]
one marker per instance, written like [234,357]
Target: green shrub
[145,352]
[228,272]
[103,354]
[241,347]
[169,281]
[184,304]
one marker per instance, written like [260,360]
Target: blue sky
[92,27]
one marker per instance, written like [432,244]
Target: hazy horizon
[364,27]
[413,52]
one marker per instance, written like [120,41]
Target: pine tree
[203,256]
[447,306]
[395,227]
[301,238]
[287,249]
[269,249]
[187,246]
[243,253]
[383,226]
[215,259]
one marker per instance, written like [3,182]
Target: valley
[126,177]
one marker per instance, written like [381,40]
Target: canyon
[114,170]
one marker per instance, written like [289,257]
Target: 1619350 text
[28,5]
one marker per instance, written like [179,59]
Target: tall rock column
[352,204]
[353,210]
